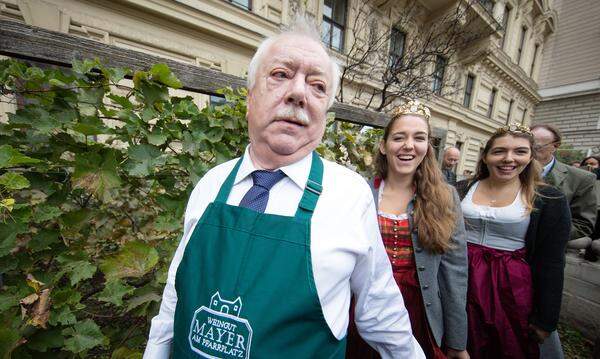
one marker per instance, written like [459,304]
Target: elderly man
[577,184]
[578,187]
[276,242]
[449,162]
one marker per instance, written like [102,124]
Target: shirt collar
[298,171]
[548,167]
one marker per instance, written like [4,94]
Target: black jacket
[545,242]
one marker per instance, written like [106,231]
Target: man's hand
[539,335]
[457,354]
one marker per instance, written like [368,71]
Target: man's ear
[249,101]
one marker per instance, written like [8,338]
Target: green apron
[245,284]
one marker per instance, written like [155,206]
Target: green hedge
[94,179]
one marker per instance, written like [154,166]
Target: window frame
[524,30]
[511,103]
[469,90]
[505,23]
[333,23]
[492,102]
[488,5]
[438,79]
[536,48]
[395,57]
[236,3]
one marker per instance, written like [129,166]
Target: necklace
[492,197]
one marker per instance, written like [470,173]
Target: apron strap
[228,184]
[313,189]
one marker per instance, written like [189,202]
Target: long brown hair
[530,177]
[434,216]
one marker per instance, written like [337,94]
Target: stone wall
[577,117]
[581,296]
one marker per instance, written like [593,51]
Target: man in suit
[578,187]
[577,184]
[449,162]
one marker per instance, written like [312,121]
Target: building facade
[496,79]
[570,76]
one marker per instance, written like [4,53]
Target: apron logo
[218,332]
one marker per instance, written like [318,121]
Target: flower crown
[514,128]
[412,107]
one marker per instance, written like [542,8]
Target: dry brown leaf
[40,312]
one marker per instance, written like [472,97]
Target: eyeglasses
[540,146]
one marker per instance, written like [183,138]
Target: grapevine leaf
[114,291]
[13,181]
[9,340]
[43,340]
[10,157]
[83,336]
[133,260]
[162,73]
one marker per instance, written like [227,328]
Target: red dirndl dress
[398,244]
[499,302]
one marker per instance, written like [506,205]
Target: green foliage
[352,145]
[575,345]
[94,179]
[567,154]
[95,172]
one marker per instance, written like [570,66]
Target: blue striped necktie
[258,195]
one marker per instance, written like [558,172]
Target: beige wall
[572,54]
[210,33]
[219,35]
[570,75]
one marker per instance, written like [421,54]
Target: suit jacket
[578,187]
[443,279]
[545,243]
[450,176]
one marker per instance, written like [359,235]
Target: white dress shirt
[346,248]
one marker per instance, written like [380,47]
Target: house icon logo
[218,331]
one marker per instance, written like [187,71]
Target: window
[216,100]
[535,52]
[436,143]
[334,20]
[488,5]
[438,74]
[397,41]
[521,44]
[491,104]
[508,114]
[459,145]
[505,25]
[469,90]
[241,3]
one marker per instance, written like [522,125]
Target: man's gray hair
[301,26]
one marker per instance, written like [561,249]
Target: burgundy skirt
[499,301]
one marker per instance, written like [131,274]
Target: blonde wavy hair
[434,215]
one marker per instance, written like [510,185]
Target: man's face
[451,158]
[288,103]
[545,144]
